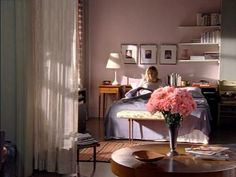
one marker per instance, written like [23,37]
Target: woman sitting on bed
[151,80]
[149,83]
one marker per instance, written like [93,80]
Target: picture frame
[148,54]
[129,53]
[168,54]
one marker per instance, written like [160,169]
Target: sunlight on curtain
[56,85]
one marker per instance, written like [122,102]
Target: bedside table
[103,91]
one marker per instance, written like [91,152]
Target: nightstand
[103,91]
[117,90]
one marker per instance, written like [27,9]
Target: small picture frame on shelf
[129,53]
[148,54]
[168,54]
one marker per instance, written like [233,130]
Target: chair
[227,102]
[87,141]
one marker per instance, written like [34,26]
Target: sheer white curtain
[56,85]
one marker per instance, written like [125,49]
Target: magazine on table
[209,152]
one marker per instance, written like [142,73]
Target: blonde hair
[151,74]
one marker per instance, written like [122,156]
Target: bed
[194,129]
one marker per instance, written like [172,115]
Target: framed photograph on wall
[129,53]
[168,54]
[148,54]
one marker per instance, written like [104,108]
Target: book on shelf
[211,37]
[208,19]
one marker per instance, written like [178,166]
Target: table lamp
[114,63]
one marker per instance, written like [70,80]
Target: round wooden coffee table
[124,164]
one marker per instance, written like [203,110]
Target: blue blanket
[153,130]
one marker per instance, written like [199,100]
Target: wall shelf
[194,43]
[199,61]
[207,40]
[199,27]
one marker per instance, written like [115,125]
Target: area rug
[106,148]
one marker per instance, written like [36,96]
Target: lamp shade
[113,61]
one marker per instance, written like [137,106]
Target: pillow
[134,85]
[134,82]
[195,91]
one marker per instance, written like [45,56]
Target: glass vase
[173,134]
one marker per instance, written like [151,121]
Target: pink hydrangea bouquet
[174,103]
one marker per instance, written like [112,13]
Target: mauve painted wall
[113,22]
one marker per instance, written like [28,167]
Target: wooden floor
[226,133]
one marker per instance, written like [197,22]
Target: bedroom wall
[112,23]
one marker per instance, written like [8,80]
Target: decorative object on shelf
[129,53]
[168,54]
[175,104]
[114,63]
[185,55]
[148,54]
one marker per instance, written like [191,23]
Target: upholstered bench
[138,116]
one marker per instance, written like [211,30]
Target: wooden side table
[103,90]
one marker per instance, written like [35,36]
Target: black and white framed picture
[148,54]
[129,53]
[168,54]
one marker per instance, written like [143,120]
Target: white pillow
[134,82]
[134,85]
[195,91]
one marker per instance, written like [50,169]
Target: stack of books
[85,139]
[209,152]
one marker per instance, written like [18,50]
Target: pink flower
[173,100]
